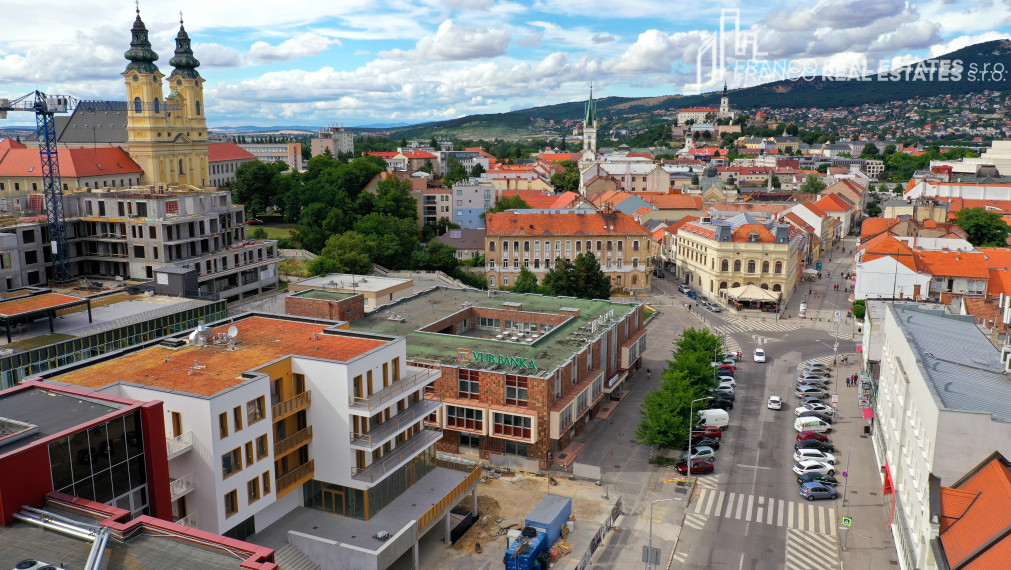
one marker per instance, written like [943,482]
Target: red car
[727,367]
[698,466]
[710,432]
[811,436]
[253,222]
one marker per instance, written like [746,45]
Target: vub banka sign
[466,355]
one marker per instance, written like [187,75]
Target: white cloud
[456,43]
[964,41]
[301,45]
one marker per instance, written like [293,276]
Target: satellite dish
[193,335]
[233,331]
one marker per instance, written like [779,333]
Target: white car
[759,355]
[813,407]
[811,454]
[702,453]
[775,403]
[812,466]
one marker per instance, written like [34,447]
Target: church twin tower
[166,137]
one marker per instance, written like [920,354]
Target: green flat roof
[324,295]
[407,315]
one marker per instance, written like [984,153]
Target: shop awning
[868,413]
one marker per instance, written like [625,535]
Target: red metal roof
[25,162]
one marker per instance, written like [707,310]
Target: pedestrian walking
[847,381]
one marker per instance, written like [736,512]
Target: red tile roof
[7,144]
[975,514]
[423,154]
[997,257]
[560,156]
[834,203]
[563,224]
[381,154]
[74,162]
[226,151]
[671,201]
[952,264]
[262,340]
[700,110]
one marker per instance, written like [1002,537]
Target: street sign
[835,399]
[650,555]
[836,345]
[845,474]
[847,521]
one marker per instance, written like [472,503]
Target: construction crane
[45,108]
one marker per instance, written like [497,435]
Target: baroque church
[165,136]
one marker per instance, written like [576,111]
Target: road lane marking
[811,520]
[719,503]
[752,466]
[730,505]
[779,519]
[740,505]
[831,519]
[747,511]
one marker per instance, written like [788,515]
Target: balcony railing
[189,520]
[452,497]
[176,446]
[398,423]
[291,405]
[292,441]
[295,475]
[394,390]
[182,486]
[389,462]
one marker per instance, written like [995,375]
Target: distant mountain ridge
[978,65]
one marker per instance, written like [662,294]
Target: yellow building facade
[166,136]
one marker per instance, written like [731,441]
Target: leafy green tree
[427,167]
[581,277]
[393,197]
[664,421]
[395,238]
[859,309]
[526,282]
[349,252]
[898,188]
[984,229]
[254,185]
[259,233]
[823,167]
[455,172]
[507,203]
[870,150]
[889,150]
[434,143]
[812,184]
[567,181]
[477,171]
[437,256]
[776,183]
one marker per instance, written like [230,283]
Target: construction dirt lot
[506,501]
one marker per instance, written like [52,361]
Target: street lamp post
[651,503]
[870,545]
[691,420]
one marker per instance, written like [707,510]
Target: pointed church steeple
[140,54]
[184,64]
[591,110]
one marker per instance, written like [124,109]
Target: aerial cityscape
[495,273]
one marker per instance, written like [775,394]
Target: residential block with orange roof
[271,414]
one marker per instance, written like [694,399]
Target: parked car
[698,466]
[814,444]
[811,436]
[814,364]
[815,377]
[759,355]
[808,390]
[721,404]
[812,466]
[827,418]
[814,407]
[723,395]
[692,294]
[727,381]
[809,399]
[684,289]
[658,273]
[810,382]
[817,478]
[710,432]
[254,222]
[816,454]
[812,491]
[714,307]
[702,442]
[706,453]
[775,403]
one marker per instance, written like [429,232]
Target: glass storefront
[103,464]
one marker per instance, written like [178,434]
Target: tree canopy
[984,229]
[581,277]
[507,203]
[812,184]
[526,282]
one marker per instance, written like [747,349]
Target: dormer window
[753,237]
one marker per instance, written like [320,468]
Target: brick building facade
[331,305]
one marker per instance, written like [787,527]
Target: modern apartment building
[288,153]
[128,234]
[471,198]
[337,140]
[519,375]
[715,255]
[536,240]
[283,423]
[943,405]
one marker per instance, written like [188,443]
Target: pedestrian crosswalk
[806,550]
[766,510]
[739,326]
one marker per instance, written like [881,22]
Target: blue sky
[306,62]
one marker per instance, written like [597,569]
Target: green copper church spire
[591,110]
[140,54]
[184,63]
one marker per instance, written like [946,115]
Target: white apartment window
[491,264]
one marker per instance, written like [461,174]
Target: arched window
[777,287]
[765,286]
[751,266]
[526,246]
[635,279]
[589,245]
[737,284]
[779,267]
[765,267]
[491,281]
[579,246]
[157,106]
[723,284]
[725,265]
[180,167]
[138,106]
[198,107]
[491,246]
[505,246]
[737,266]
[598,245]
[516,248]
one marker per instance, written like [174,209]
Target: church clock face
[136,78]
[179,81]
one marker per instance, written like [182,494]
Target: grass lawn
[649,312]
[35,342]
[274,231]
[296,267]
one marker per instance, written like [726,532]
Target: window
[261,447]
[266,482]
[598,245]
[157,106]
[464,418]
[737,265]
[512,426]
[223,425]
[635,245]
[725,265]
[237,415]
[515,390]
[513,448]
[198,107]
[470,387]
[231,503]
[231,462]
[765,267]
[253,490]
[751,266]
[255,410]
[779,267]
[491,246]
[558,384]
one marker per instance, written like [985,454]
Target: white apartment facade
[288,153]
[943,403]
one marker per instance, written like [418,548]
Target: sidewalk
[863,500]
